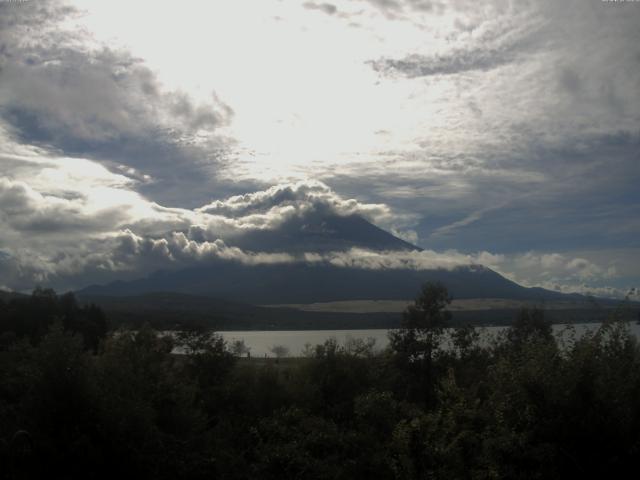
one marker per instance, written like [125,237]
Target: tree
[208,358]
[464,339]
[423,323]
[280,351]
[529,326]
[239,348]
[418,339]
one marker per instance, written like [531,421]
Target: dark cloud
[94,94]
[570,80]
[452,63]
[28,17]
[499,42]
[327,8]
[582,192]
[392,8]
[31,213]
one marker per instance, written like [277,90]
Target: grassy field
[462,305]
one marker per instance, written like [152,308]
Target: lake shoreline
[454,324]
[261,342]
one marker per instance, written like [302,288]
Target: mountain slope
[320,231]
[302,282]
[7,296]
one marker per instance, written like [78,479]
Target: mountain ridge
[308,282]
[320,231]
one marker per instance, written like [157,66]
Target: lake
[260,342]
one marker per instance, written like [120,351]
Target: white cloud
[286,200]
[482,124]
[555,271]
[80,89]
[65,90]
[70,221]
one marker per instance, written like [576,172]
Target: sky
[140,135]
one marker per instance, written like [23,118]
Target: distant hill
[6,295]
[177,311]
[303,283]
[165,310]
[308,283]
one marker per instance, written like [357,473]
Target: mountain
[174,310]
[320,231]
[308,283]
[7,296]
[301,282]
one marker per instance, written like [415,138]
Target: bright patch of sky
[509,127]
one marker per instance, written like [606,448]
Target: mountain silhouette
[320,230]
[301,282]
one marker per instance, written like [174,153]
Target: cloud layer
[481,132]
[119,234]
[64,90]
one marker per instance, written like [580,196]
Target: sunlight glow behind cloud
[461,127]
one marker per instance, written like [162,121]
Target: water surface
[261,342]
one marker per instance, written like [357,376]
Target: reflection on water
[261,342]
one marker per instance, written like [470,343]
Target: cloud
[500,136]
[502,37]
[177,248]
[105,231]
[61,89]
[561,272]
[69,221]
[271,207]
[450,228]
[75,99]
[550,163]
[327,8]
[127,251]
[28,211]
[406,9]
[298,196]
[593,290]
[408,235]
[453,62]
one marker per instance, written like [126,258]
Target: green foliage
[416,344]
[530,326]
[208,358]
[335,375]
[239,349]
[280,351]
[33,316]
[144,405]
[422,325]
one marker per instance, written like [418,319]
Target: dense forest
[78,400]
